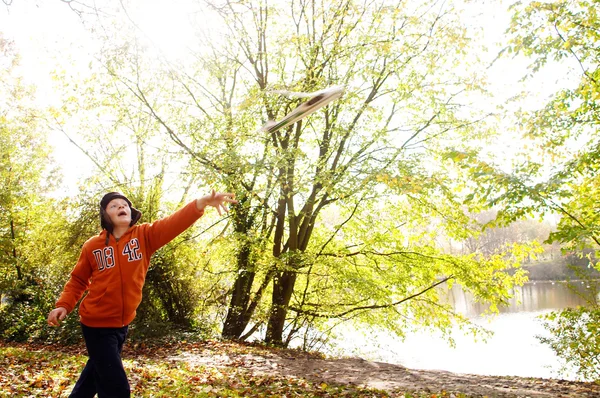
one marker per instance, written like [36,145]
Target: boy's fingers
[56,316]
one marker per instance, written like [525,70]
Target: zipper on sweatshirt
[118,259]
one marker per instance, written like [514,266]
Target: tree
[339,215]
[121,140]
[565,134]
[405,102]
[27,174]
[567,127]
[491,240]
[25,169]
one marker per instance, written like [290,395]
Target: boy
[112,267]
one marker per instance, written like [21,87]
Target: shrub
[575,339]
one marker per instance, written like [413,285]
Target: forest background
[428,172]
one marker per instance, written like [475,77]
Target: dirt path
[383,376]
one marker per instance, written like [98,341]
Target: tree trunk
[14,250]
[237,314]
[283,287]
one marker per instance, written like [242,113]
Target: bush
[24,317]
[575,339]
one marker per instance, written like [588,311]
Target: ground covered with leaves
[224,369]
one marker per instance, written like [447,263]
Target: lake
[513,350]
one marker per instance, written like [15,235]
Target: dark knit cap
[105,220]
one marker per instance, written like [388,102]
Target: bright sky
[49,35]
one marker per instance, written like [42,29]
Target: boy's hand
[57,315]
[216,199]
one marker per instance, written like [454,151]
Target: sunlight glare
[166,26]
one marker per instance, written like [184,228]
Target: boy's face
[119,212]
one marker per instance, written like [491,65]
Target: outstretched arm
[216,199]
[161,232]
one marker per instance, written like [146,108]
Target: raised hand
[217,200]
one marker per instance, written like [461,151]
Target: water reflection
[513,348]
[531,297]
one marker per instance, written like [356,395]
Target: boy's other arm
[57,315]
[73,290]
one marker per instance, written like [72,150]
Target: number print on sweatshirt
[105,258]
[131,250]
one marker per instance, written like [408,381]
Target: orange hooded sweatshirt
[114,274]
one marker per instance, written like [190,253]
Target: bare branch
[370,307]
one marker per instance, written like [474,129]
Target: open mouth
[122,213]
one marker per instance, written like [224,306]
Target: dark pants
[103,373]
